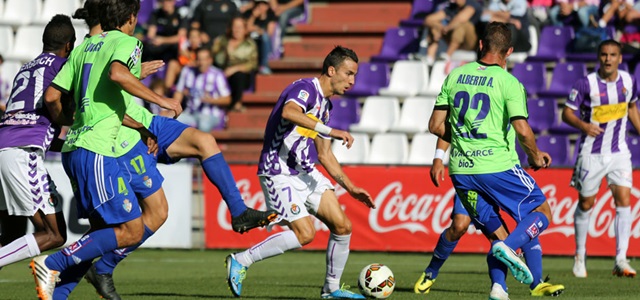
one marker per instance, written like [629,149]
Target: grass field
[194,274]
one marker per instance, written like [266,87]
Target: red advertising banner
[411,213]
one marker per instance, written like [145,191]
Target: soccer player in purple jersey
[26,133]
[291,183]
[606,100]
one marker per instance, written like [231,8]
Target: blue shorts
[490,224]
[140,167]
[100,188]
[167,130]
[513,191]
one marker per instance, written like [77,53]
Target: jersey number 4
[464,102]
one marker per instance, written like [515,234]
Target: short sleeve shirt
[100,102]
[453,9]
[482,100]
[167,24]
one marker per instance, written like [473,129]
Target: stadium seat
[370,78]
[558,147]
[146,9]
[51,8]
[414,116]
[587,57]
[633,142]
[27,46]
[532,75]
[20,12]
[345,111]
[542,114]
[9,69]
[6,39]
[563,77]
[408,78]
[423,148]
[419,10]
[436,79]
[378,115]
[464,56]
[358,153]
[560,127]
[518,57]
[553,43]
[389,148]
[398,43]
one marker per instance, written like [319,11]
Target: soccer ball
[376,281]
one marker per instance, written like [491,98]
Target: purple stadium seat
[345,111]
[553,43]
[146,9]
[558,147]
[532,75]
[419,10]
[521,155]
[397,44]
[563,78]
[633,142]
[370,78]
[560,127]
[589,57]
[542,114]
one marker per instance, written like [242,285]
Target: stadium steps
[277,82]
[318,47]
[256,117]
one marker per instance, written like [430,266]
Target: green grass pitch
[195,274]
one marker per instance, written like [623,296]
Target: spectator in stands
[456,24]
[212,18]
[577,13]
[206,93]
[286,10]
[237,55]
[186,56]
[625,12]
[165,29]
[261,23]
[514,13]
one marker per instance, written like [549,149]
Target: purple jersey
[195,85]
[286,146]
[26,123]
[606,105]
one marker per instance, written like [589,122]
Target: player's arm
[331,164]
[439,124]
[294,113]
[437,168]
[634,115]
[53,100]
[149,138]
[224,93]
[576,97]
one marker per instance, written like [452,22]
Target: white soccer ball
[376,281]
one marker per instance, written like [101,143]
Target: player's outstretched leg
[45,278]
[441,253]
[518,268]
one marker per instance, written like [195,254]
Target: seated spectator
[514,13]
[456,24]
[286,10]
[576,13]
[212,18]
[237,55]
[186,57]
[261,23]
[625,12]
[165,29]
[206,93]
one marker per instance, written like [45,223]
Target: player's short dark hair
[609,42]
[497,38]
[89,13]
[205,49]
[115,13]
[58,32]
[338,55]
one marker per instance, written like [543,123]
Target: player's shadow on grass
[202,296]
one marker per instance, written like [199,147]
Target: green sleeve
[64,79]
[129,52]
[516,100]
[443,97]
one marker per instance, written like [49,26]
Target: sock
[21,248]
[337,255]
[110,260]
[272,246]
[87,248]
[623,231]
[218,172]
[497,271]
[69,279]
[443,249]
[529,228]
[581,227]
[533,255]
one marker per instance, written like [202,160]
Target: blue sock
[443,249]
[87,248]
[109,261]
[497,271]
[218,172]
[533,255]
[529,228]
[69,279]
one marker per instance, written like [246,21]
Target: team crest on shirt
[295,209]
[104,34]
[481,68]
[573,94]
[126,204]
[147,181]
[303,95]
[135,55]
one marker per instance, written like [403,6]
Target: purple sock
[87,248]
[110,260]
[219,173]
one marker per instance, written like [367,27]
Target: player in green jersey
[475,110]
